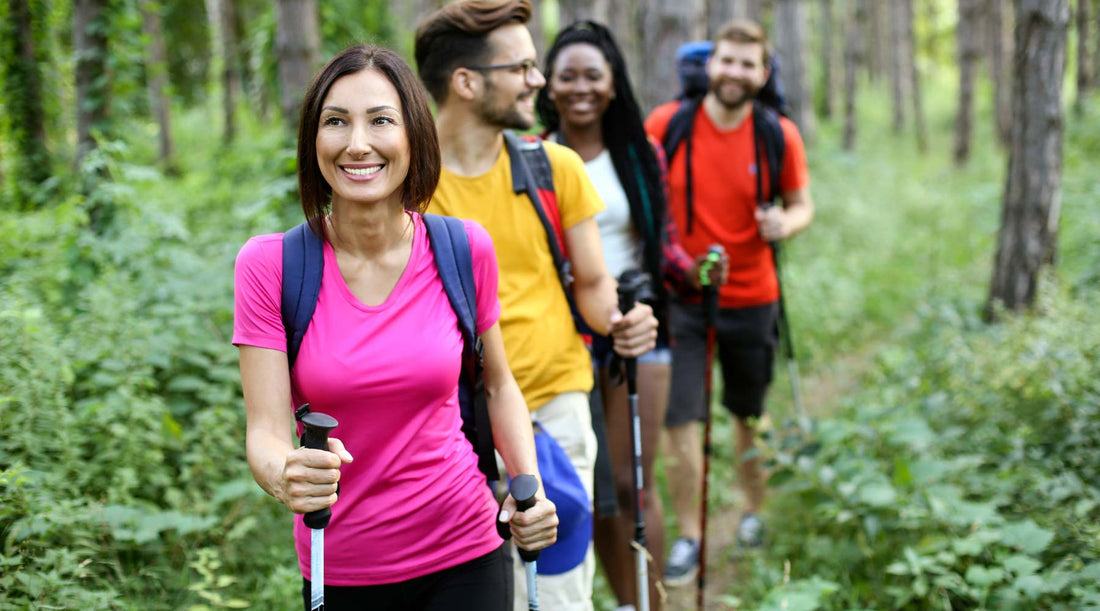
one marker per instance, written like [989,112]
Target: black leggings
[481,584]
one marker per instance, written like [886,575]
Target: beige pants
[567,419]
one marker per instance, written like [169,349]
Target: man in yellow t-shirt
[478,62]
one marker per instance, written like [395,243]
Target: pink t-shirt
[413,501]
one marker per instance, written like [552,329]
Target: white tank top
[620,244]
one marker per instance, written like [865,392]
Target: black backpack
[303,266]
[769,105]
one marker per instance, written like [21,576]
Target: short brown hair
[744,31]
[457,35]
[424,157]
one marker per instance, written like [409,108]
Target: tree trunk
[92,91]
[22,98]
[910,42]
[898,80]
[999,41]
[156,79]
[537,26]
[297,44]
[790,44]
[221,15]
[875,50]
[1028,236]
[1096,44]
[665,25]
[853,56]
[827,88]
[967,37]
[1084,61]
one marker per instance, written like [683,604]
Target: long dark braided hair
[625,139]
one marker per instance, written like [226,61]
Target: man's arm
[781,222]
[595,293]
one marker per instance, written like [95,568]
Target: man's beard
[504,116]
[748,92]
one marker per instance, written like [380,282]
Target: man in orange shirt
[725,210]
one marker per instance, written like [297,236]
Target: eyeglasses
[527,66]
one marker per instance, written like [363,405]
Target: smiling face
[581,85]
[736,71]
[362,144]
[508,98]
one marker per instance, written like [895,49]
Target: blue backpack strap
[451,248]
[303,266]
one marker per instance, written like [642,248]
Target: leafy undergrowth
[965,474]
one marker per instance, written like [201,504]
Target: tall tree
[297,47]
[910,42]
[1096,43]
[827,88]
[1029,223]
[966,36]
[853,59]
[156,79]
[221,15]
[665,25]
[1084,60]
[999,41]
[22,96]
[92,90]
[898,81]
[790,44]
[875,50]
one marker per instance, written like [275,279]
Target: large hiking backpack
[769,104]
[303,266]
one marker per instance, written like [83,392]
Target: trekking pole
[710,309]
[316,427]
[630,283]
[786,342]
[523,488]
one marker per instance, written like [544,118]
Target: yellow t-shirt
[545,353]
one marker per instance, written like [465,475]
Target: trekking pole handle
[522,488]
[316,427]
[714,257]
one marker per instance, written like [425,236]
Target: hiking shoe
[750,532]
[683,562]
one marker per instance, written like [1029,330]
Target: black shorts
[745,347]
[484,583]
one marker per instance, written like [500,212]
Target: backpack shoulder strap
[679,131]
[451,249]
[679,126]
[303,266]
[533,174]
[768,137]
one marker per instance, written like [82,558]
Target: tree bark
[92,91]
[790,45]
[1028,235]
[853,56]
[827,88]
[873,45]
[156,80]
[22,98]
[665,25]
[1084,60]
[966,36]
[221,15]
[898,65]
[297,45]
[1000,42]
[910,42]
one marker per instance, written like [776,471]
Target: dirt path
[822,391]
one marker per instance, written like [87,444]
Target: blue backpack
[303,265]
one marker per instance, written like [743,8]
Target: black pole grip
[315,436]
[523,489]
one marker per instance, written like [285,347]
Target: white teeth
[363,171]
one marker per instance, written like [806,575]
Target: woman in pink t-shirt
[413,526]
